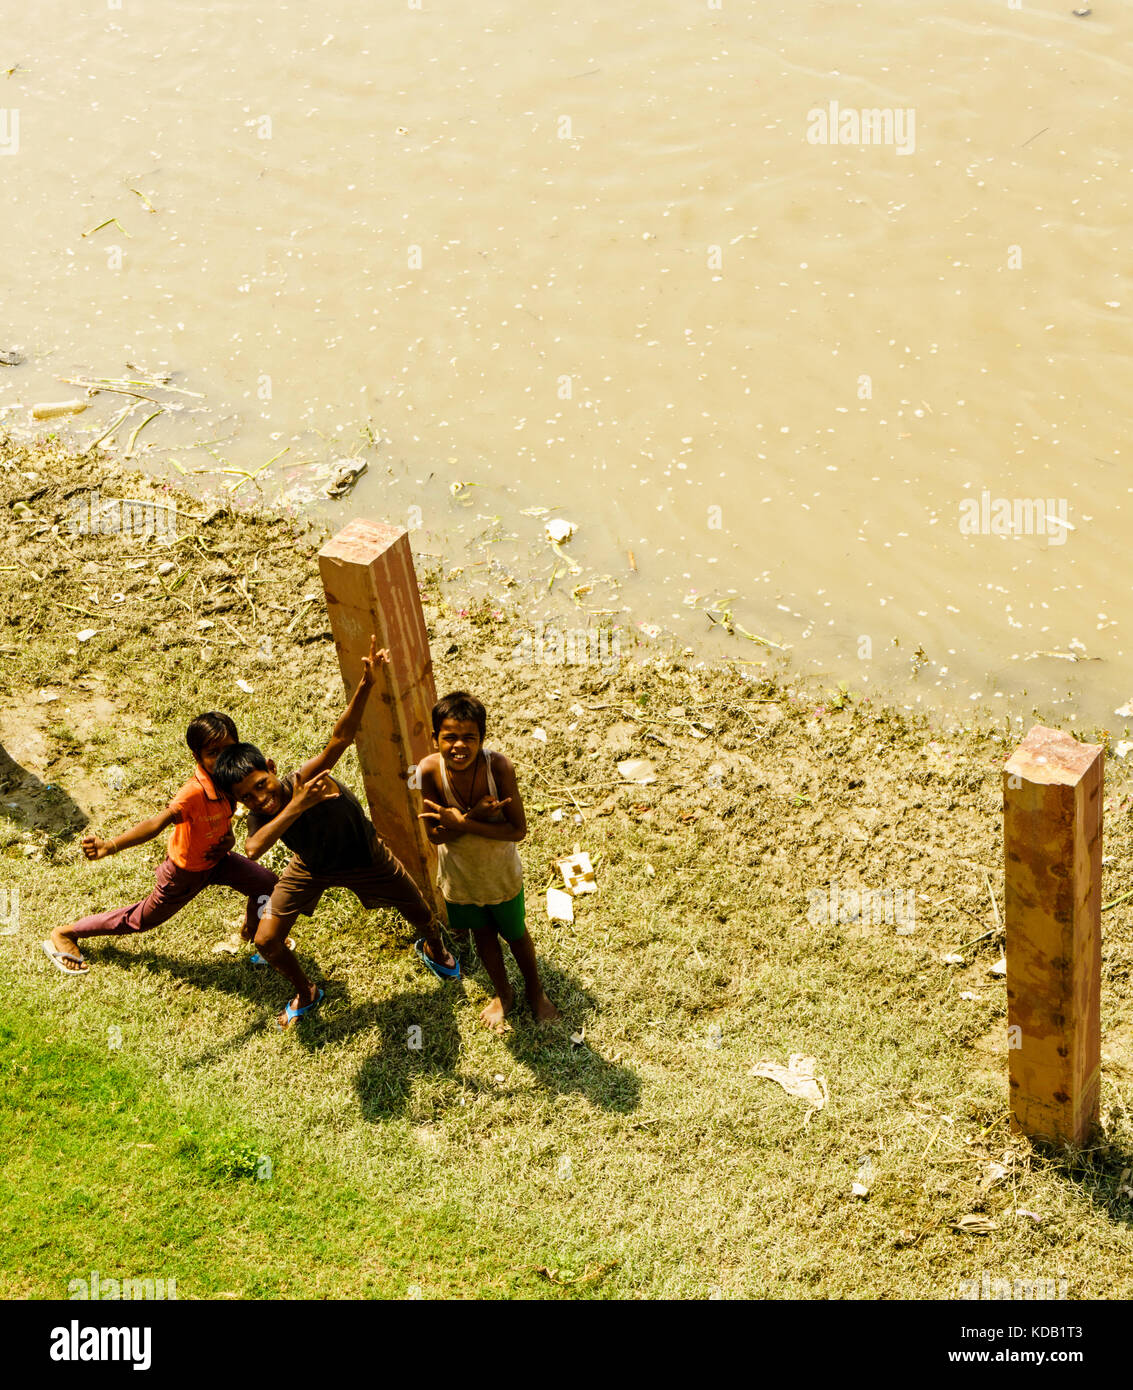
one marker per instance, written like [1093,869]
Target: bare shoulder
[501,764]
[428,772]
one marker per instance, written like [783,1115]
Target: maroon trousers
[174,887]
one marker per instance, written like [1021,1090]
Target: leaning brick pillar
[371,587]
[1052,834]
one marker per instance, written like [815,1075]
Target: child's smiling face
[211,751]
[458,742]
[261,791]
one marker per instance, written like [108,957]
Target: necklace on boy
[466,805]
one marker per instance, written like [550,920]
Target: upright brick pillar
[1052,835]
[371,587]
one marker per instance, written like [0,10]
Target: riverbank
[643,1160]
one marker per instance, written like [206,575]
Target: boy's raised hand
[308,794]
[94,848]
[373,661]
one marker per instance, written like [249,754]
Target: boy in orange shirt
[198,854]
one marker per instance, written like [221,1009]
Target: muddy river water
[812,319]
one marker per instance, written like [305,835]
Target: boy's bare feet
[63,941]
[493,1016]
[543,1010]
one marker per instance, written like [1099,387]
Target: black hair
[235,763]
[206,729]
[460,705]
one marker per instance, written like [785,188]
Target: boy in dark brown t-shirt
[333,844]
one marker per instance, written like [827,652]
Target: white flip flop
[58,957]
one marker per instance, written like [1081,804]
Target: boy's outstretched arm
[346,730]
[94,848]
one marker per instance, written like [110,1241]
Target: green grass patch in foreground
[103,1172]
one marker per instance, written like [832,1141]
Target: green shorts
[509,919]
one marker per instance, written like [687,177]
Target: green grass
[445,1168]
[104,1171]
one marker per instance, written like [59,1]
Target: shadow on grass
[1104,1173]
[30,802]
[418,1030]
[226,974]
[419,1035]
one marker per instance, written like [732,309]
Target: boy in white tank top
[474,815]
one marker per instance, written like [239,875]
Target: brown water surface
[586,258]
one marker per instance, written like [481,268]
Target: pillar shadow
[35,804]
[1098,1171]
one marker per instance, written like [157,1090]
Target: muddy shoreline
[791,777]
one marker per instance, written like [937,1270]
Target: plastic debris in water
[349,471]
[559,530]
[48,410]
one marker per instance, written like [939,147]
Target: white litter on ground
[798,1078]
[578,873]
[560,905]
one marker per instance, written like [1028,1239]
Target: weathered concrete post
[371,587]
[1052,836]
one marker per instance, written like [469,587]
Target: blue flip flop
[442,972]
[292,1014]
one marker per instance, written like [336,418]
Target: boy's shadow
[420,1035]
[418,1030]
[561,1065]
[225,973]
